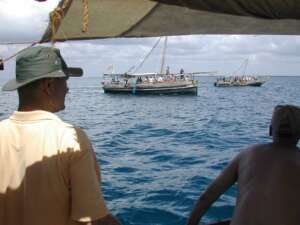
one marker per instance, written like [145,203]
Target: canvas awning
[149,18]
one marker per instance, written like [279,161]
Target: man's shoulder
[75,133]
[67,128]
[60,123]
[4,122]
[65,125]
[254,149]
[259,146]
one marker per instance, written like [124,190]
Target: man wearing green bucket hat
[48,169]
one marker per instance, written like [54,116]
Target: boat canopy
[94,19]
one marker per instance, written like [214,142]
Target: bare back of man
[267,177]
[268,186]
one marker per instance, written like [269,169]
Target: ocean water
[159,153]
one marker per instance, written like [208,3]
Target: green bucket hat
[40,62]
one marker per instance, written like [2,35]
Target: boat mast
[163,56]
[245,67]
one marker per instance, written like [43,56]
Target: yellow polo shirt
[48,172]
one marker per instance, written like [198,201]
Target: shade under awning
[149,18]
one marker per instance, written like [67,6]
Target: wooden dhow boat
[150,83]
[238,81]
[163,82]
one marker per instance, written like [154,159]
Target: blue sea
[159,153]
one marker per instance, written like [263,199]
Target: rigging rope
[18,43]
[140,65]
[17,53]
[243,65]
[2,61]
[55,19]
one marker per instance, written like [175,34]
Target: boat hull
[227,84]
[190,88]
[256,84]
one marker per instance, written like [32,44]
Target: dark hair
[285,121]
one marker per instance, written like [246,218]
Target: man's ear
[270,130]
[48,86]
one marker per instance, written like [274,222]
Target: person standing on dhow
[49,174]
[267,176]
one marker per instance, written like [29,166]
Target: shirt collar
[33,116]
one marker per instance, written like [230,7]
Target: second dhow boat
[238,81]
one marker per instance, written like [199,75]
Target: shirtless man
[267,176]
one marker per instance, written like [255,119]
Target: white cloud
[24,20]
[267,54]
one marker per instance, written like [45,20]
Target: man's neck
[287,142]
[27,108]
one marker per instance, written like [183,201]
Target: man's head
[285,123]
[41,75]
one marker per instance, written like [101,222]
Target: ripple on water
[159,153]
[148,215]
[125,170]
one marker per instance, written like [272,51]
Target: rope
[2,61]
[85,19]
[244,64]
[17,53]
[56,17]
[140,65]
[18,43]
[65,4]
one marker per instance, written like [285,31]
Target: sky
[26,21]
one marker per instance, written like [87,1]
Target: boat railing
[119,79]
